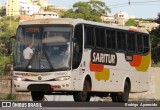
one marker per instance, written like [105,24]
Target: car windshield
[42,48]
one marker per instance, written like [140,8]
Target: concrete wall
[154,92]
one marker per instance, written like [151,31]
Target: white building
[43,3]
[61,8]
[119,18]
[121,15]
[45,15]
[108,18]
[17,7]
[148,25]
[29,9]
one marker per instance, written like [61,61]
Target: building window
[78,46]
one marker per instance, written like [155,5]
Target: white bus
[81,58]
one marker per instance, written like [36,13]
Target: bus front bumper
[21,86]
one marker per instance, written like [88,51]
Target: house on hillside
[119,18]
[44,15]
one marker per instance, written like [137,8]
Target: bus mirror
[13,37]
[9,45]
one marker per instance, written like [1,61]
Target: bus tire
[83,96]
[37,95]
[124,96]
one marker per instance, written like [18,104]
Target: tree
[8,28]
[131,22]
[158,19]
[3,11]
[98,6]
[155,43]
[91,10]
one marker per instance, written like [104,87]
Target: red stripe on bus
[134,30]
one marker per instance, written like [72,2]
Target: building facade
[119,18]
[148,25]
[17,7]
[58,9]
[45,15]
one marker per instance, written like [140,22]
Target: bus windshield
[42,48]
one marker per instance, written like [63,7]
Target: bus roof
[73,22]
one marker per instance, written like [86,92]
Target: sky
[138,8]
[142,9]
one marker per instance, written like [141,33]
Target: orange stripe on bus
[136,60]
[96,67]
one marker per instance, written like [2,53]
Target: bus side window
[139,43]
[78,46]
[131,42]
[100,37]
[146,43]
[121,40]
[89,37]
[111,39]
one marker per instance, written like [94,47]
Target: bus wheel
[124,96]
[37,95]
[83,96]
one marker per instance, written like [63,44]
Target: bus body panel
[107,73]
[117,76]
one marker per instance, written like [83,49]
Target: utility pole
[11,12]
[129,3]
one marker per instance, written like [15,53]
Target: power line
[134,3]
[129,2]
[147,1]
[119,6]
[146,4]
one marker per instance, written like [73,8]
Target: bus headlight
[62,78]
[19,79]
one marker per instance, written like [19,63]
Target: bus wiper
[48,59]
